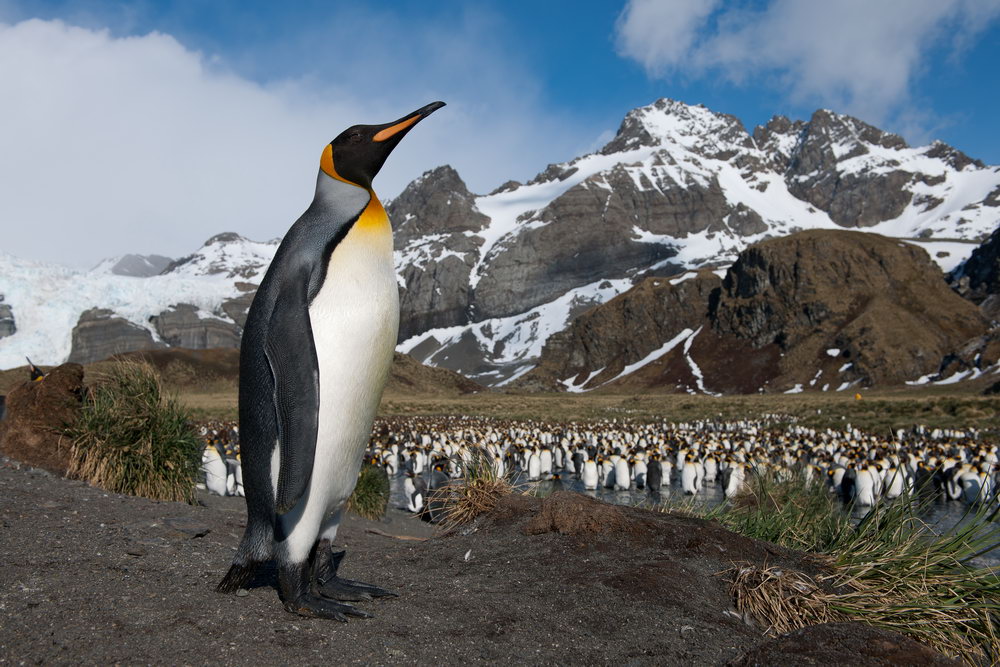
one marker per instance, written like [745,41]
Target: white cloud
[138,144]
[852,55]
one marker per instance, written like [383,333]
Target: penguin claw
[351,591]
[318,607]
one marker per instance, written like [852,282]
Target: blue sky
[166,123]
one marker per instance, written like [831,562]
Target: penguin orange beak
[401,126]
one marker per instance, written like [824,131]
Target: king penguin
[314,359]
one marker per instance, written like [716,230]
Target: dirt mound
[841,644]
[36,412]
[570,513]
[647,592]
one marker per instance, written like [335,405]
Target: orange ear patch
[326,163]
[398,127]
[326,166]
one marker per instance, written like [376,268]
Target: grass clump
[786,510]
[890,570]
[893,572]
[371,495]
[131,438]
[477,492]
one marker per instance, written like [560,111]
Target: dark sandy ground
[90,577]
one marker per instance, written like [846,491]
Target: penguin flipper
[291,354]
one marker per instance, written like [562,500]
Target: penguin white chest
[355,320]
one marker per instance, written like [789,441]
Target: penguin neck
[348,201]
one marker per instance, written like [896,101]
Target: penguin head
[358,153]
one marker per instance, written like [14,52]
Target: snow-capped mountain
[680,187]
[486,279]
[48,302]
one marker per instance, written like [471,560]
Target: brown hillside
[882,303]
[821,309]
[623,330]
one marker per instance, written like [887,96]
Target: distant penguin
[238,474]
[590,476]
[317,347]
[654,476]
[734,479]
[415,490]
[214,468]
[545,461]
[864,488]
[667,468]
[623,476]
[640,472]
[689,477]
[439,477]
[36,374]
[534,468]
[607,468]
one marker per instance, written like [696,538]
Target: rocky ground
[96,578]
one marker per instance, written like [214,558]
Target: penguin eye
[354,137]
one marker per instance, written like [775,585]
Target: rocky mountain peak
[668,122]
[225,237]
[226,253]
[436,202]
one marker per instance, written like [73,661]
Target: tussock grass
[896,574]
[792,512]
[785,599]
[889,571]
[475,493]
[131,438]
[371,495]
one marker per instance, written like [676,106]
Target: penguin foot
[351,591]
[329,585]
[319,607]
[294,584]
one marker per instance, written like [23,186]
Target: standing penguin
[314,360]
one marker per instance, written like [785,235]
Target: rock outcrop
[978,279]
[99,334]
[877,308]
[183,326]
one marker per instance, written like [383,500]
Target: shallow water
[941,515]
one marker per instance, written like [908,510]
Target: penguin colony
[657,458]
